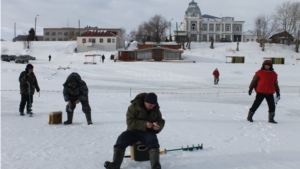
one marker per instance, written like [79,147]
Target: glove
[250,92]
[38,89]
[277,94]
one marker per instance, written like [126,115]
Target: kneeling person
[75,91]
[144,121]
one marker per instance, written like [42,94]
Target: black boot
[250,115]
[154,158]
[271,117]
[117,159]
[22,113]
[88,118]
[70,118]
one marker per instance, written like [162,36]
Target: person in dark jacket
[103,57]
[144,121]
[216,76]
[28,83]
[49,58]
[75,91]
[265,84]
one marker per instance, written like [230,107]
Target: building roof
[193,8]
[281,35]
[210,16]
[99,33]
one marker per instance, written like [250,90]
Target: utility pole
[35,27]
[15,33]
[170,24]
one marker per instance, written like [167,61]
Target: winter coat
[216,73]
[265,82]
[25,77]
[137,116]
[103,57]
[80,92]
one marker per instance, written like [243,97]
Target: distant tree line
[286,19]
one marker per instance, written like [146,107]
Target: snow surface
[195,110]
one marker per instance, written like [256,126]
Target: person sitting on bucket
[144,121]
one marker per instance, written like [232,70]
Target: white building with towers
[200,27]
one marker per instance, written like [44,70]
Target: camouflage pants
[85,107]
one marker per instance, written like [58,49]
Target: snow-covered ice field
[195,110]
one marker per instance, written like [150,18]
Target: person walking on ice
[265,84]
[103,57]
[216,76]
[75,91]
[144,121]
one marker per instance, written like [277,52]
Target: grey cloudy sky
[118,13]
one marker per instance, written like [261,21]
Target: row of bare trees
[152,30]
[286,19]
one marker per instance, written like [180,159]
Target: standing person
[75,91]
[265,84]
[216,76]
[144,121]
[49,58]
[103,57]
[28,82]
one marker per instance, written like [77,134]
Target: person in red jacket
[265,84]
[216,76]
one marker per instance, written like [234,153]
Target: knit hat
[72,81]
[267,62]
[29,66]
[151,98]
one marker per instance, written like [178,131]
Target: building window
[108,40]
[77,33]
[113,40]
[65,33]
[211,27]
[204,27]
[218,27]
[227,28]
[59,33]
[193,26]
[93,40]
[217,38]
[252,40]
[83,40]
[227,37]
[204,37]
[47,33]
[101,40]
[65,39]
[53,39]
[47,39]
[59,39]
[237,28]
[53,33]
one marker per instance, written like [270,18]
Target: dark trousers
[259,98]
[216,80]
[85,107]
[102,60]
[127,138]
[24,100]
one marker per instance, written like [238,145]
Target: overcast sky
[118,13]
